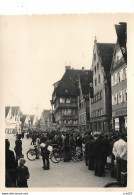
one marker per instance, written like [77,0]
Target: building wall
[119,90]
[97,71]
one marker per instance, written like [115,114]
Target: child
[22,174]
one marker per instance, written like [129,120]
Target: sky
[34,51]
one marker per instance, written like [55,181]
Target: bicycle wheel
[78,156]
[31,154]
[55,157]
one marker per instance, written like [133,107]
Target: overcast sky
[35,49]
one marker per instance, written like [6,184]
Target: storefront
[100,124]
[119,120]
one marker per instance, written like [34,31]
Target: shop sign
[120,112]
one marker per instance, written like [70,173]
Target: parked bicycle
[58,154]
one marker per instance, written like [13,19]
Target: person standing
[10,166]
[45,155]
[22,174]
[99,151]
[37,147]
[120,153]
[18,148]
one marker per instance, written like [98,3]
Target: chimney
[83,68]
[67,67]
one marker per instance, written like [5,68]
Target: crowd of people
[100,151]
[103,151]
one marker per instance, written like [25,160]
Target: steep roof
[85,80]
[23,118]
[105,51]
[7,108]
[45,114]
[121,31]
[31,118]
[68,85]
[15,109]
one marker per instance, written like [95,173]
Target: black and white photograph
[65,99]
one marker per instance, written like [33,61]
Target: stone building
[119,80]
[100,108]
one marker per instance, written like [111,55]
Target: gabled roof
[105,51]
[45,114]
[7,108]
[14,109]
[23,118]
[31,118]
[84,81]
[68,85]
[121,31]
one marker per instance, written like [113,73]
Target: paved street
[63,174]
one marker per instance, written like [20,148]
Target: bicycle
[32,153]
[59,154]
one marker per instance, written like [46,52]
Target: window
[95,82]
[68,100]
[125,95]
[99,79]
[62,100]
[95,69]
[115,99]
[118,77]
[97,66]
[120,97]
[118,55]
